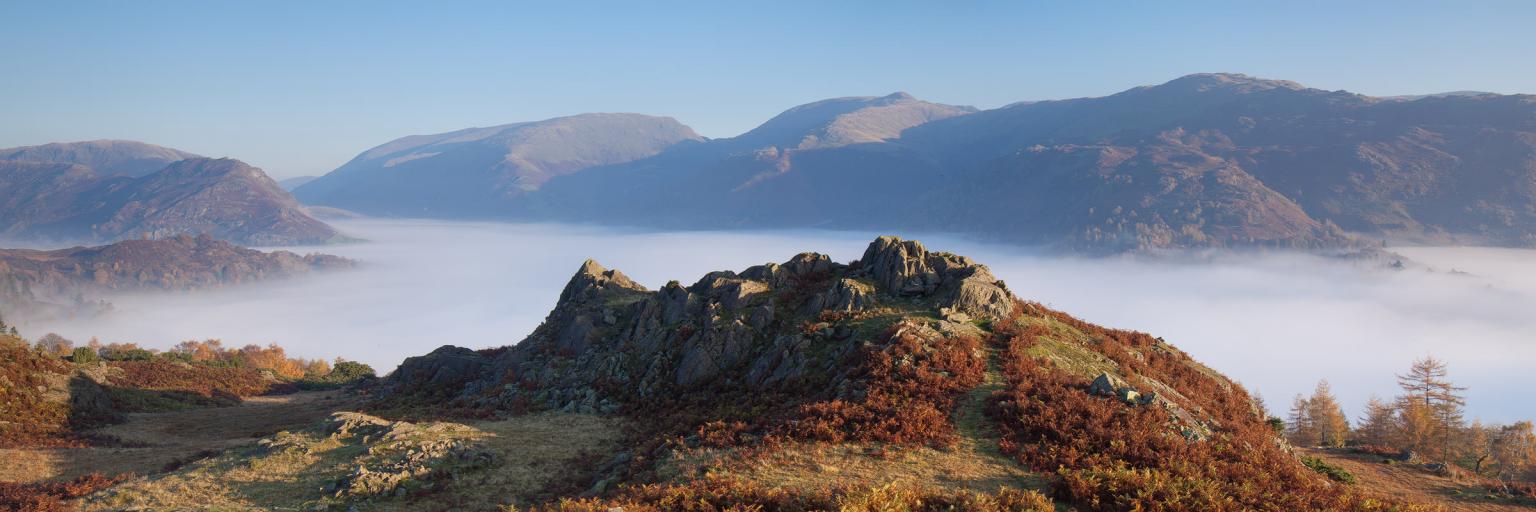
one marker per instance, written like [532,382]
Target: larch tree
[1300,429]
[1426,385]
[1327,417]
[1379,424]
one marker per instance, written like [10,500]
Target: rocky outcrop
[908,269]
[611,342]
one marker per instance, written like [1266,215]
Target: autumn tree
[1435,403]
[1300,429]
[1379,423]
[1326,416]
[1479,446]
[54,344]
[1514,451]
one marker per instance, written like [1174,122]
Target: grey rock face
[610,341]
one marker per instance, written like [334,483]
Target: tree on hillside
[6,328]
[1379,424]
[1479,446]
[1328,420]
[1300,429]
[1514,451]
[1426,386]
[54,344]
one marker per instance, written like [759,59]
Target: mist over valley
[1275,321]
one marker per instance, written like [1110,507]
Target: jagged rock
[592,280]
[609,341]
[901,267]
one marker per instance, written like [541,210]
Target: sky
[298,88]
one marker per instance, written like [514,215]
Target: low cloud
[1277,322]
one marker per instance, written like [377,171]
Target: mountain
[108,157]
[1208,160]
[480,171]
[34,279]
[844,121]
[222,197]
[295,182]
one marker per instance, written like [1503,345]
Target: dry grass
[303,471]
[810,466]
[148,442]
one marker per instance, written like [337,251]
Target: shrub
[84,355]
[342,374]
[1333,472]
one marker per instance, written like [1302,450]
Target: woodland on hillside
[1424,424]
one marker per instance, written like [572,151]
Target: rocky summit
[610,341]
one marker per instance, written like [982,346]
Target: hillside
[108,157]
[482,171]
[35,281]
[225,198]
[908,379]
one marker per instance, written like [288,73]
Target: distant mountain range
[480,171]
[112,190]
[1207,160]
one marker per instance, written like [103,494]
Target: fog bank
[1277,322]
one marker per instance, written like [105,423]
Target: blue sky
[301,87]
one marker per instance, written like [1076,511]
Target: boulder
[1105,385]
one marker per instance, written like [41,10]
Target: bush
[1333,472]
[84,355]
[341,374]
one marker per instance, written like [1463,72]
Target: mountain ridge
[222,197]
[108,156]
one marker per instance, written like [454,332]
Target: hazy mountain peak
[849,120]
[108,157]
[1237,83]
[477,169]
